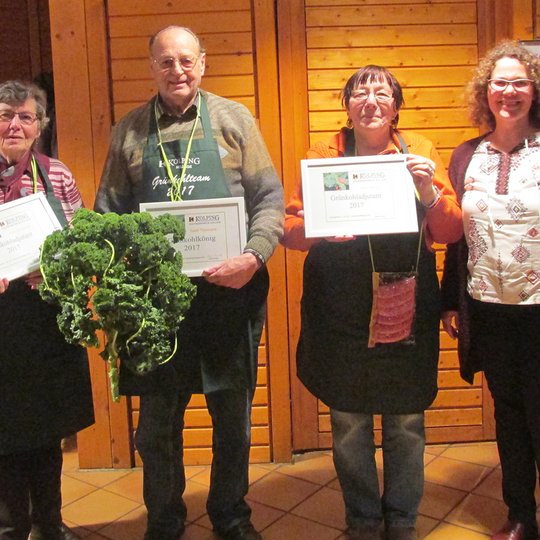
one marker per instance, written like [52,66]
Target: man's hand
[33,279]
[234,272]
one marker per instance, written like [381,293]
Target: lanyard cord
[33,165]
[403,150]
[417,254]
[176,183]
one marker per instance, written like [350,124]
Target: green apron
[218,339]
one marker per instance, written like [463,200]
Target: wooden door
[431,46]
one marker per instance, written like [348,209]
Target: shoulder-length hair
[477,89]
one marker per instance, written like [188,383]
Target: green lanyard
[176,183]
[33,165]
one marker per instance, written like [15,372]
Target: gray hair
[176,27]
[17,92]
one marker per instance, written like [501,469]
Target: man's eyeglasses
[380,97]
[499,85]
[25,118]
[168,63]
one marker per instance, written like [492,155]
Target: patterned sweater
[248,168]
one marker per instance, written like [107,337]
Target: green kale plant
[119,274]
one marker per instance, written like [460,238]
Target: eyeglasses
[363,95]
[499,85]
[168,63]
[25,118]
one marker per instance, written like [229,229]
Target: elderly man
[192,144]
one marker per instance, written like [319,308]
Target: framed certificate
[358,195]
[215,230]
[24,225]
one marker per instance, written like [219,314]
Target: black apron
[219,336]
[333,359]
[45,391]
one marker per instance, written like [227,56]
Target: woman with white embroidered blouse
[491,282]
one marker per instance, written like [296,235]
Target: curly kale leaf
[119,274]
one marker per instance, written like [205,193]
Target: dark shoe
[394,532]
[52,533]
[159,535]
[514,530]
[242,531]
[363,533]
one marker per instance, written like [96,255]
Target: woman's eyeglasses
[168,63]
[363,95]
[499,85]
[25,118]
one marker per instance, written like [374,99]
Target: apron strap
[56,205]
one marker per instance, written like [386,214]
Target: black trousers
[507,338]
[30,491]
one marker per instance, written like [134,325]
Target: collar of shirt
[167,118]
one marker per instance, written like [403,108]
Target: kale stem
[173,353]
[112,361]
[139,330]
[111,259]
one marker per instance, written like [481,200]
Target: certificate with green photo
[358,195]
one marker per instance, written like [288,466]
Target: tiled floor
[300,501]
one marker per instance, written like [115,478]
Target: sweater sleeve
[294,236]
[443,221]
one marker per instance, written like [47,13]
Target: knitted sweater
[248,168]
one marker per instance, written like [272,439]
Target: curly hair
[373,73]
[17,92]
[477,89]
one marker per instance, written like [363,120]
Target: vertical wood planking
[266,70]
[75,142]
[295,142]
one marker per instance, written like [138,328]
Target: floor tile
[292,527]
[315,466]
[281,491]
[438,500]
[456,474]
[98,509]
[297,501]
[482,454]
[131,526]
[491,485]
[98,477]
[424,525]
[446,531]
[479,513]
[436,449]
[129,486]
[325,506]
[73,489]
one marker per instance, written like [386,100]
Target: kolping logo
[205,219]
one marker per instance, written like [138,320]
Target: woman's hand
[450,321]
[33,279]
[422,170]
[3,285]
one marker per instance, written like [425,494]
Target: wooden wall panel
[431,59]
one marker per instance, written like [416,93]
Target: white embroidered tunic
[501,218]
